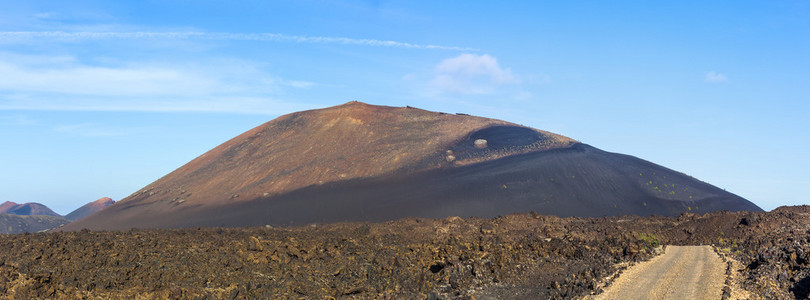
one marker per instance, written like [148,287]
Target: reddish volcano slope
[363,162]
[89,208]
[6,206]
[26,209]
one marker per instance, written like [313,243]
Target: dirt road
[682,272]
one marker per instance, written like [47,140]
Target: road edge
[733,288]
[620,268]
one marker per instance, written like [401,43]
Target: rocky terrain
[511,257]
[10,223]
[774,251]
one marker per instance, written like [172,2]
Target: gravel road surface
[682,272]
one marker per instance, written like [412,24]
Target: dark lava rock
[521,256]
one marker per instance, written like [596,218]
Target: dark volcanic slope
[90,208]
[371,163]
[26,209]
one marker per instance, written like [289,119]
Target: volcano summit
[360,162]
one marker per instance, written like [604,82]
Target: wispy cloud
[268,37]
[223,104]
[471,74]
[140,79]
[66,84]
[92,80]
[713,77]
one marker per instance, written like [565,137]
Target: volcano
[26,209]
[90,208]
[361,162]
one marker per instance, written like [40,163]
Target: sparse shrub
[650,240]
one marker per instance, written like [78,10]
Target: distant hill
[360,162]
[18,224]
[34,217]
[26,209]
[90,208]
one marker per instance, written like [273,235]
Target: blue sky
[100,98]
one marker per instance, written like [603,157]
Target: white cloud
[107,81]
[19,36]
[471,74]
[66,84]
[713,77]
[223,104]
[65,75]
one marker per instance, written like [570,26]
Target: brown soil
[512,257]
